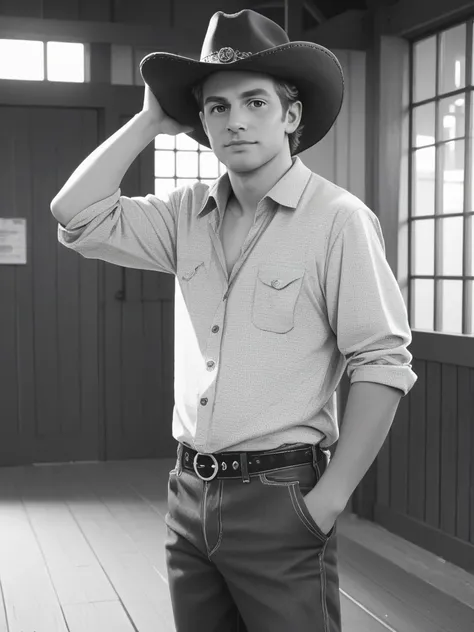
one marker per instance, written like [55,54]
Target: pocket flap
[279,276]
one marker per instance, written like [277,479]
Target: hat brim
[313,69]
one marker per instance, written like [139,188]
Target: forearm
[368,416]
[101,173]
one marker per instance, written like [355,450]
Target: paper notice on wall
[12,240]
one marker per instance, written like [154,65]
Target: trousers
[248,557]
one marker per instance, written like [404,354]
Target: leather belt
[243,464]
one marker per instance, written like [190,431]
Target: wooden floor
[81,550]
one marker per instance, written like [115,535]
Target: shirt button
[211,364]
[203,401]
[275,283]
[215,329]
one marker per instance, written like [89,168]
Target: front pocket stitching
[296,506]
[299,510]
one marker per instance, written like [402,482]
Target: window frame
[467,323]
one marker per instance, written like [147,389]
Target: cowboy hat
[248,41]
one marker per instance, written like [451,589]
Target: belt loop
[179,460]
[315,449]
[244,468]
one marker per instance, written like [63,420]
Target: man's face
[244,106]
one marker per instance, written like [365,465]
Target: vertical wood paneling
[399,448]
[417,444]
[465,456]
[433,428]
[88,321]
[8,359]
[68,287]
[50,365]
[44,262]
[19,447]
[448,438]
[471,477]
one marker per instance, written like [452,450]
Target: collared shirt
[260,353]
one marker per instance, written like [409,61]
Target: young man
[283,284]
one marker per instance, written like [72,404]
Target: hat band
[225,55]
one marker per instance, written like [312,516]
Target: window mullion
[468,184]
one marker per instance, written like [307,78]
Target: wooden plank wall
[49,400]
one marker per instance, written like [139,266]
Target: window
[441,222]
[27,60]
[180,160]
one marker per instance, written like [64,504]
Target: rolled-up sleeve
[133,232]
[366,309]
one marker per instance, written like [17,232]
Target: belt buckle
[215,465]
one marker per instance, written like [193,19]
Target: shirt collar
[286,192]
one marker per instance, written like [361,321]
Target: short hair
[287,93]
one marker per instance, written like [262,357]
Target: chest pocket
[276,291]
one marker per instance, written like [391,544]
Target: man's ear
[293,116]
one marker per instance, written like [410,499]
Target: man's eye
[258,101]
[217,106]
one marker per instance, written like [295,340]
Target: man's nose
[236,121]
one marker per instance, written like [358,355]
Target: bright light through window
[24,59]
[65,62]
[21,59]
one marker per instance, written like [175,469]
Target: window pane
[208,165]
[204,148]
[452,161]
[186,181]
[470,251]
[424,72]
[187,164]
[422,292]
[21,59]
[424,125]
[164,163]
[422,247]
[452,118]
[65,62]
[209,182]
[452,66]
[451,246]
[164,141]
[423,187]
[450,295]
[163,186]
[222,168]
[471,294]
[183,141]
